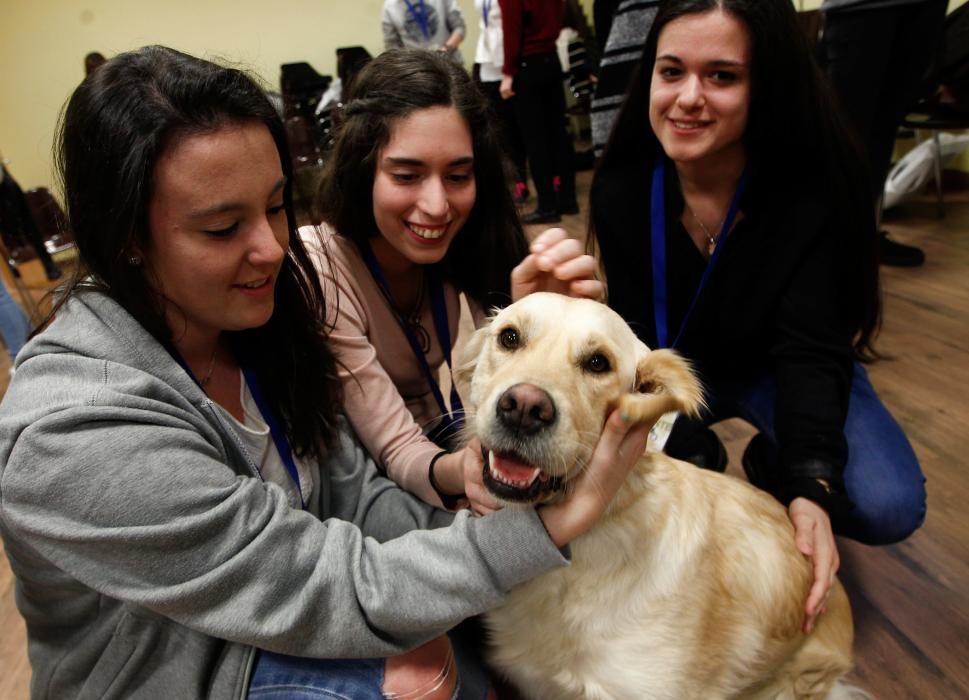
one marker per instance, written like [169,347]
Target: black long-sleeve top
[780,300]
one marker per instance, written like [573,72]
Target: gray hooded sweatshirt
[151,560]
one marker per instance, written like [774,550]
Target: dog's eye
[598,363]
[509,339]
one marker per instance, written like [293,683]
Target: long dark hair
[391,87]
[114,129]
[796,137]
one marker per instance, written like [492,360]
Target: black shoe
[760,464]
[895,254]
[542,216]
[570,208]
[693,442]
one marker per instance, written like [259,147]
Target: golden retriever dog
[691,585]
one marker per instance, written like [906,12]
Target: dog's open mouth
[509,477]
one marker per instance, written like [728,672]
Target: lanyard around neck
[439,310]
[419,13]
[658,250]
[275,430]
[486,10]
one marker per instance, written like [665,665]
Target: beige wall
[42,44]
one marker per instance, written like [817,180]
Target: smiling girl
[755,257]
[184,509]
[417,213]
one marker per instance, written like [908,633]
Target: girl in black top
[735,227]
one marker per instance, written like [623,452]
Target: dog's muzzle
[524,416]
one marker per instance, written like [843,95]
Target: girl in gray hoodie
[183,507]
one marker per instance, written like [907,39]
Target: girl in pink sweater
[417,214]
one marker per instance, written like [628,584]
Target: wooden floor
[911,600]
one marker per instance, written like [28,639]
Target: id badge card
[660,432]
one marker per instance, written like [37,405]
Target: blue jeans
[882,477]
[279,677]
[14,326]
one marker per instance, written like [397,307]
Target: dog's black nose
[526,409]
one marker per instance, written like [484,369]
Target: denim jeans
[14,325]
[882,477]
[279,677]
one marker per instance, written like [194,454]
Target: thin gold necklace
[413,318]
[208,375]
[711,239]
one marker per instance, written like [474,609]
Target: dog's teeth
[511,472]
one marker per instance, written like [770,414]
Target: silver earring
[134,260]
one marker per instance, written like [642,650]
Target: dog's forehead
[581,320]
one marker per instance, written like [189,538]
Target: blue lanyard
[439,310]
[275,430]
[486,10]
[419,13]
[658,248]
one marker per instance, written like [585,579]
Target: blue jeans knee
[882,476]
[281,677]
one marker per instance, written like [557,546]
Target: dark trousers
[540,105]
[877,60]
[511,136]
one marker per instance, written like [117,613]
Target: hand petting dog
[556,263]
[814,539]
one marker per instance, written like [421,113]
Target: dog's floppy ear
[664,383]
[467,357]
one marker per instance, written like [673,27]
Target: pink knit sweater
[387,397]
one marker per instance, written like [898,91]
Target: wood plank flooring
[911,600]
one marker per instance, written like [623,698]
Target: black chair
[349,61]
[307,159]
[49,218]
[936,115]
[302,88]
[947,108]
[303,149]
[32,225]
[17,250]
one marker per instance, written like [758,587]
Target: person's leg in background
[876,60]
[534,130]
[883,477]
[511,138]
[14,324]
[541,115]
[560,141]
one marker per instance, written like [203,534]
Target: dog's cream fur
[690,586]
